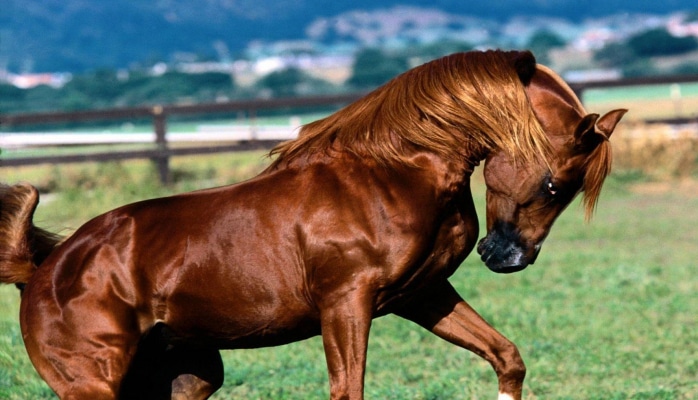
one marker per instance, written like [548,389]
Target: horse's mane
[597,168]
[453,106]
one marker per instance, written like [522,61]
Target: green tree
[173,87]
[372,68]
[615,55]
[542,42]
[96,89]
[439,49]
[11,98]
[659,42]
[292,82]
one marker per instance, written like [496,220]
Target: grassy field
[609,310]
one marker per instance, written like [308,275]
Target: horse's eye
[552,189]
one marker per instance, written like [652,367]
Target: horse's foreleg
[346,322]
[444,312]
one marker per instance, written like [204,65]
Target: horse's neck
[449,178]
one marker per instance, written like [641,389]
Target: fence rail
[160,113]
[162,152]
[580,87]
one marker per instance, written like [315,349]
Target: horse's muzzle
[503,252]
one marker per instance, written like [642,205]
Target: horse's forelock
[452,106]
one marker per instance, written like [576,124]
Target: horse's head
[524,199]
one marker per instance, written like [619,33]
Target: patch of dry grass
[658,151]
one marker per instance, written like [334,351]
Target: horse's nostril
[503,251]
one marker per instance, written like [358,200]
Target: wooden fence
[159,114]
[162,151]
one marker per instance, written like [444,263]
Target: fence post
[162,160]
[252,116]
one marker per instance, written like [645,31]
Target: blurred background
[75,55]
[228,56]
[80,54]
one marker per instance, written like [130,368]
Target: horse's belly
[249,318]
[231,332]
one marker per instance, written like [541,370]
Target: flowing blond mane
[598,166]
[453,106]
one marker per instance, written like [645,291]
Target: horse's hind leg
[199,372]
[178,373]
[161,370]
[78,360]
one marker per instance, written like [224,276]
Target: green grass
[607,312]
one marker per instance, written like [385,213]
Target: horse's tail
[23,247]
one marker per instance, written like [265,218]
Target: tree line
[372,67]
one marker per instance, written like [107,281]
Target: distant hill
[76,35]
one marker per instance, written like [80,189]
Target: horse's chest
[441,256]
[455,240]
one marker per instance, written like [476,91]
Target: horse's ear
[593,129]
[608,122]
[585,136]
[525,65]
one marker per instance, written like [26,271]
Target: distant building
[679,26]
[28,81]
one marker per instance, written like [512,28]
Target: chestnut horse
[368,212]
